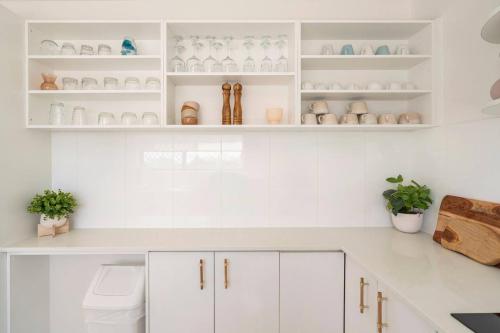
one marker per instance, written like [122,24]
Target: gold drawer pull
[362,285]
[380,324]
[202,280]
[226,265]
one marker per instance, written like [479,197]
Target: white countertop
[434,281]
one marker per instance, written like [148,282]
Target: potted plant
[407,204]
[54,207]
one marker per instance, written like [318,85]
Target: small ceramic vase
[495,90]
[129,47]
[49,82]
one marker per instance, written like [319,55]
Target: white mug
[318,107]
[367,50]
[375,85]
[410,118]
[402,50]
[368,119]
[387,119]
[395,86]
[309,119]
[327,119]
[357,107]
[349,119]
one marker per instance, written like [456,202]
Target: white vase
[409,223]
[55,222]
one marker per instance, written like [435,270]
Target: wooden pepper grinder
[226,106]
[237,111]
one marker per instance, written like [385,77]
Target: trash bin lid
[116,287]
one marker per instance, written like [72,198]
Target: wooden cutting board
[471,227]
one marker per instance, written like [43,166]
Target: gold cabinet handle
[362,285]
[202,280]
[380,324]
[226,265]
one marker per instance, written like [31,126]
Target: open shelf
[94,92]
[377,95]
[259,78]
[385,62]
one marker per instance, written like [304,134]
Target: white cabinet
[181,297]
[311,292]
[383,311]
[360,299]
[247,292]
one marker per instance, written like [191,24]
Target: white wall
[25,159]
[464,152]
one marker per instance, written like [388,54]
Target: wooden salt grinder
[237,111]
[226,106]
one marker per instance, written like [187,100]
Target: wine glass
[176,63]
[266,64]
[228,63]
[210,61]
[282,62]
[249,62]
[217,66]
[193,63]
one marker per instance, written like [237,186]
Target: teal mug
[383,50]
[347,50]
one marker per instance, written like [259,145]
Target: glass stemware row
[214,64]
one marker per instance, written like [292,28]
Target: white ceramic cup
[327,119]
[318,107]
[367,50]
[368,119]
[309,119]
[307,85]
[387,119]
[349,119]
[149,118]
[274,115]
[375,85]
[410,118]
[402,50]
[395,86]
[357,107]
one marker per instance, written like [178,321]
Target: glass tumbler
[86,50]
[149,118]
[132,83]
[110,83]
[153,83]
[49,47]
[79,116]
[56,115]
[103,50]
[129,118]
[89,83]
[68,49]
[106,119]
[69,83]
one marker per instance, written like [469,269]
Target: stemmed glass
[217,66]
[282,62]
[176,63]
[210,61]
[228,63]
[194,63]
[249,62]
[266,64]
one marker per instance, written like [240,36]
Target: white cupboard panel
[248,295]
[179,301]
[311,292]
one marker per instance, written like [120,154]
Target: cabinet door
[181,294]
[360,299]
[311,292]
[398,317]
[247,292]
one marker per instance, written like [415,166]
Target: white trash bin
[114,302]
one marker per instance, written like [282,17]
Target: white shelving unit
[155,40]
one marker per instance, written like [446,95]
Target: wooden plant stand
[52,231]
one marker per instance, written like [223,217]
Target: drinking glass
[110,83]
[266,64]
[49,47]
[228,63]
[56,115]
[68,49]
[132,83]
[89,83]
[129,118]
[105,119]
[153,83]
[104,50]
[249,62]
[176,63]
[86,50]
[193,63]
[210,61]
[282,63]
[217,66]
[70,83]
[79,116]
[149,118]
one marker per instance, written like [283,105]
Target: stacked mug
[189,113]
[319,114]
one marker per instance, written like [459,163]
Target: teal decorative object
[128,47]
[347,50]
[383,50]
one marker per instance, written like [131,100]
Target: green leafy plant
[53,204]
[407,199]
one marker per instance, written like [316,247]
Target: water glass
[68,49]
[106,119]
[89,83]
[56,115]
[49,47]
[132,83]
[104,50]
[327,49]
[153,83]
[129,118]
[69,83]
[79,116]
[110,83]
[86,50]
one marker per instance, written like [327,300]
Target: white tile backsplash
[254,179]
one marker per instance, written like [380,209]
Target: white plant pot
[409,223]
[48,222]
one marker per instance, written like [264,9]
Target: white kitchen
[276,166]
